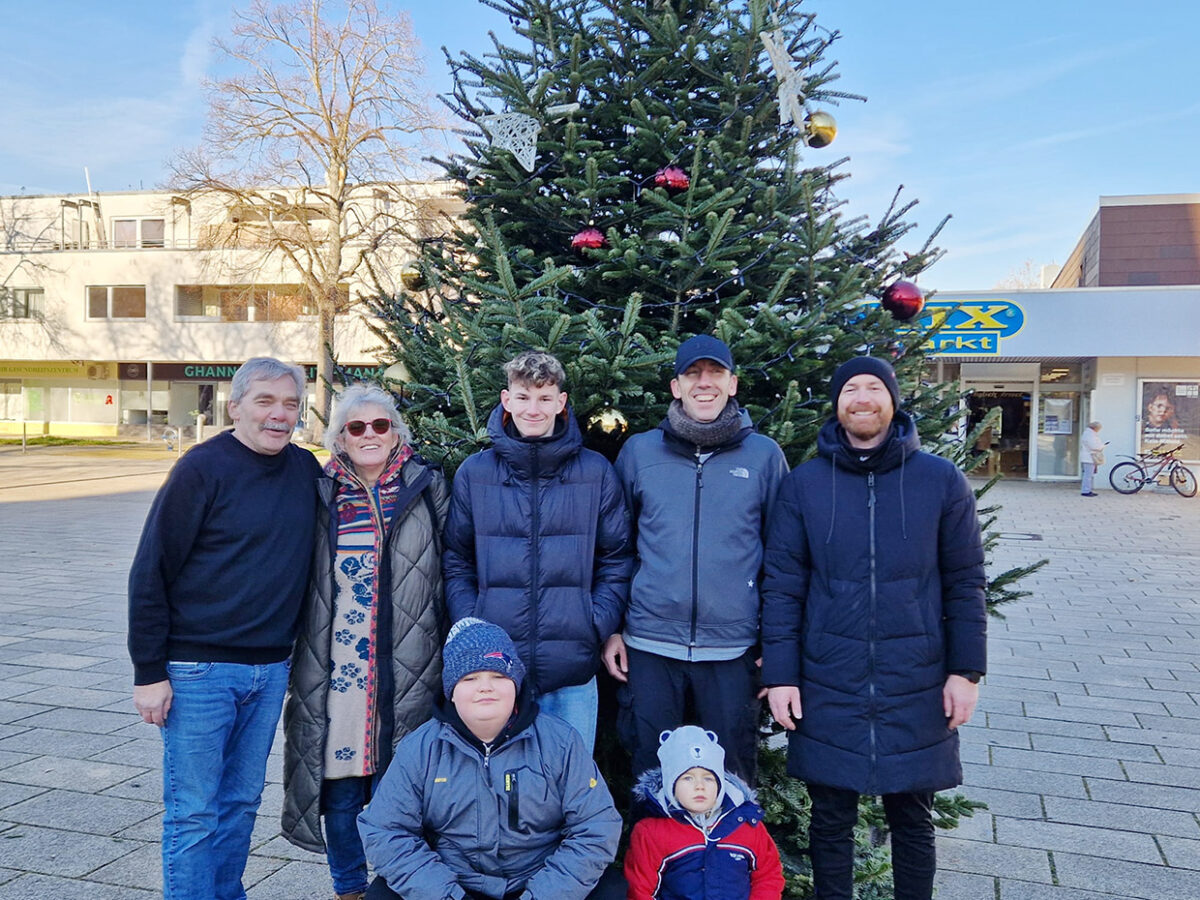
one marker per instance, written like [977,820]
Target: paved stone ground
[1086,747]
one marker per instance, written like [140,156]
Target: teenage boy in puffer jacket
[703,836]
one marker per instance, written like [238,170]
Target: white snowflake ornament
[516,133]
[791,82]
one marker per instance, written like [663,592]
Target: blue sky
[1014,118]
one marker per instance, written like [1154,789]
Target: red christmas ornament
[588,239]
[903,299]
[672,178]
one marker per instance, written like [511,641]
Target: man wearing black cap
[698,488]
[874,627]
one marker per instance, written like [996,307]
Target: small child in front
[703,837]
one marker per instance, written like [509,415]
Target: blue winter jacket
[699,527]
[527,815]
[537,541]
[873,592]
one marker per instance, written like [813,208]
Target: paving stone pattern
[1086,746]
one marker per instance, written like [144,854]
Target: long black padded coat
[537,541]
[873,592]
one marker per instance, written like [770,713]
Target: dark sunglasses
[379,426]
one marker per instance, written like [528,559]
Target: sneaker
[1092,494]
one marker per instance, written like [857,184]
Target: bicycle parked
[1147,468]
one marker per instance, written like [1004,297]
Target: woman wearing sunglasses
[367,663]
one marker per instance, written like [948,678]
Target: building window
[22,303]
[130,234]
[247,303]
[127,301]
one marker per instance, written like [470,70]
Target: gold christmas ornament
[412,277]
[820,128]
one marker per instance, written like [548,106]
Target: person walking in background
[537,540]
[367,665]
[874,627]
[699,487]
[215,591]
[1091,455]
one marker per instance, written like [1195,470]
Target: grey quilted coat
[418,625]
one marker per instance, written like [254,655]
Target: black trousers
[722,694]
[612,886]
[831,842]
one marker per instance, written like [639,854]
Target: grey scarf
[720,430]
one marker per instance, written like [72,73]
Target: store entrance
[1006,444]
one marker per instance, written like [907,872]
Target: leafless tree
[1026,276]
[306,142]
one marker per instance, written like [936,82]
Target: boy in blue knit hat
[515,801]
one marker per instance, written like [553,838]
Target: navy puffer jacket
[537,541]
[873,592]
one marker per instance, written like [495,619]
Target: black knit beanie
[865,365]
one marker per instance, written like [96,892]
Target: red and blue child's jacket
[671,858]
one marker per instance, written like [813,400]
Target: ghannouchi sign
[225,371]
[974,327]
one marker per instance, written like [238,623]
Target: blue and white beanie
[474,645]
[686,748]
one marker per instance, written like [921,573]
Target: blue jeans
[342,799]
[219,731]
[575,704]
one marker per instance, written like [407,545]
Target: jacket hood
[526,711]
[546,455]
[652,797]
[902,442]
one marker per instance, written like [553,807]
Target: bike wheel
[1127,477]
[1183,481]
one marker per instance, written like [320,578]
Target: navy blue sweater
[223,561]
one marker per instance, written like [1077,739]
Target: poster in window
[1169,415]
[1057,416]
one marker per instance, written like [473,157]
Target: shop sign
[64,369]
[967,327]
[225,371]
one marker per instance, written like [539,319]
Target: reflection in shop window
[10,400]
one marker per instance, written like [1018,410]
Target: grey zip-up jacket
[699,524]
[529,814]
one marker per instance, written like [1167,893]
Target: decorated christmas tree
[636,172]
[639,171]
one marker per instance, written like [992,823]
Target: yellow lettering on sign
[983,316]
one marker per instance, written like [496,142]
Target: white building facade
[124,311]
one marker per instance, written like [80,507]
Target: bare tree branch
[324,108]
